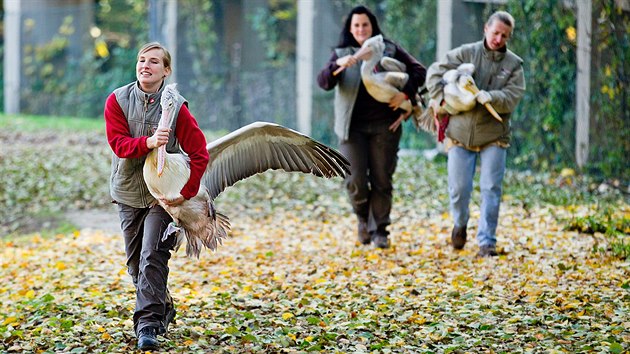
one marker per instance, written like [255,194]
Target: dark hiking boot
[380,237]
[147,338]
[458,237]
[487,251]
[380,241]
[363,234]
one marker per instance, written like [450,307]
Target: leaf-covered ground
[293,279]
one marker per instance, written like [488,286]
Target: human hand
[397,100]
[347,61]
[483,97]
[173,202]
[159,138]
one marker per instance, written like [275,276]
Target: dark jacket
[347,83]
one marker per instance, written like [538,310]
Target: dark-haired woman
[362,125]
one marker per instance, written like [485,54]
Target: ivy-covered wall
[544,124]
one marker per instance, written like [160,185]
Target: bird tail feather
[216,230]
[219,231]
[426,121]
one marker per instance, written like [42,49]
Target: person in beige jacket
[475,134]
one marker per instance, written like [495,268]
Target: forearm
[193,142]
[326,78]
[118,134]
[416,71]
[506,99]
[434,82]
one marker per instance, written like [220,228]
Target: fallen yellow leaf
[9,320]
[287,315]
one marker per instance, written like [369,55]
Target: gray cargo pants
[147,263]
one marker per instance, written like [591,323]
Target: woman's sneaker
[147,338]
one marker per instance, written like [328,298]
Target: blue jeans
[461,171]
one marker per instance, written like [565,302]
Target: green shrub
[615,228]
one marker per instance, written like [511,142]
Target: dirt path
[95,219]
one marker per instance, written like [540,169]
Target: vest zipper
[144,122]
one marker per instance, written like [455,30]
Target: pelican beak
[165,121]
[161,158]
[363,53]
[469,85]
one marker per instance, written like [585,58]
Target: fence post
[163,28]
[304,65]
[583,89]
[12,55]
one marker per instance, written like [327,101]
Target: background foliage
[60,84]
[544,125]
[545,38]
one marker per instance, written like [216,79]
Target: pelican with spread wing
[252,149]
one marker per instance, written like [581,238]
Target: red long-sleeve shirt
[189,135]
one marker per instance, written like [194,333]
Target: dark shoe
[147,338]
[487,251]
[363,234]
[458,237]
[380,241]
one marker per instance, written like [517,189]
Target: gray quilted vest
[143,112]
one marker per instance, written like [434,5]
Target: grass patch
[36,124]
[48,124]
[613,225]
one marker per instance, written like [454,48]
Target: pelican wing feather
[263,146]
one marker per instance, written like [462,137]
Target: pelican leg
[403,117]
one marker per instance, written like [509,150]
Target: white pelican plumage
[460,95]
[383,85]
[384,77]
[456,95]
[252,149]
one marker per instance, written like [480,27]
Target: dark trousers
[373,153]
[147,262]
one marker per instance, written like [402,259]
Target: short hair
[502,16]
[166,57]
